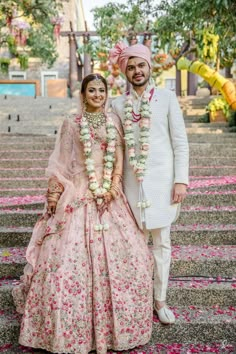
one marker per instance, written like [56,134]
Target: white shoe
[165,315]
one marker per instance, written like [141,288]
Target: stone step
[210,183]
[35,139]
[197,198]
[202,234]
[48,144]
[210,199]
[38,172]
[217,125]
[195,171]
[195,234]
[196,110]
[210,171]
[24,139]
[201,291]
[41,182]
[27,154]
[193,325]
[194,152]
[25,163]
[42,162]
[225,138]
[188,215]
[19,217]
[28,145]
[49,126]
[213,215]
[15,236]
[20,192]
[152,348]
[224,187]
[207,130]
[212,161]
[196,182]
[181,292]
[27,129]
[37,182]
[212,261]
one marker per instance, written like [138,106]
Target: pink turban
[121,53]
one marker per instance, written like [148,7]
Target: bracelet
[115,187]
[55,189]
[119,175]
[113,194]
[54,186]
[115,191]
[53,197]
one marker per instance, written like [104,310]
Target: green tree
[209,27]
[27,30]
[113,22]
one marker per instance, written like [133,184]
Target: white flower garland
[138,163]
[109,158]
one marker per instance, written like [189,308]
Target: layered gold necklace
[96,120]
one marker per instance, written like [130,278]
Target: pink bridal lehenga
[84,289]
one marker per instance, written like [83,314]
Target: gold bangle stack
[119,175]
[55,189]
[115,192]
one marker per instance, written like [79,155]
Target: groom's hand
[179,193]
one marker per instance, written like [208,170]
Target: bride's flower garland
[139,162]
[109,158]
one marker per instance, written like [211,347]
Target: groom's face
[137,71]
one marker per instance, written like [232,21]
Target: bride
[87,284]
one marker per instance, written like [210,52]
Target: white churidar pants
[162,258]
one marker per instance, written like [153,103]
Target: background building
[72,16]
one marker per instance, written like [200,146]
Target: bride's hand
[51,208]
[107,198]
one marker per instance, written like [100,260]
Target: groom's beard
[141,83]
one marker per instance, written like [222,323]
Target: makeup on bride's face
[95,94]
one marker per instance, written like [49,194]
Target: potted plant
[219,110]
[4,64]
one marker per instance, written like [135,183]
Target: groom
[156,159]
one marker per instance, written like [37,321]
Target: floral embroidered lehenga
[84,289]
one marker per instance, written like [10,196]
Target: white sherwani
[168,159]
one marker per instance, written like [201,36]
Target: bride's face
[95,94]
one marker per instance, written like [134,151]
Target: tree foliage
[209,26]
[202,24]
[27,30]
[113,21]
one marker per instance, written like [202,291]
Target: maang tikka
[97,81]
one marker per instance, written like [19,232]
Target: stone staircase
[25,115]
[202,288]
[193,106]
[29,115]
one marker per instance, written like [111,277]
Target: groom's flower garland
[138,163]
[109,158]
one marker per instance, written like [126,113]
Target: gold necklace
[96,120]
